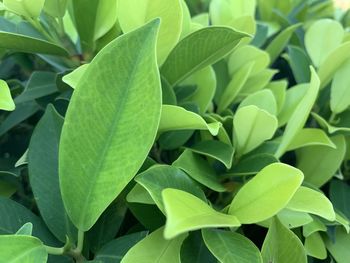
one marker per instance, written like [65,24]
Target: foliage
[174,131]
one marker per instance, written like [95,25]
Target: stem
[332,118]
[80,241]
[35,23]
[61,26]
[55,250]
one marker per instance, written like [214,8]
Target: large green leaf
[185,212]
[22,249]
[319,49]
[228,247]
[320,163]
[177,118]
[198,50]
[252,126]
[313,202]
[27,8]
[300,114]
[43,174]
[266,194]
[6,101]
[135,13]
[340,92]
[281,245]
[154,248]
[93,155]
[158,178]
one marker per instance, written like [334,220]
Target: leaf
[266,194]
[43,174]
[194,250]
[139,194]
[73,78]
[106,17]
[320,163]
[6,101]
[215,149]
[282,245]
[115,250]
[318,49]
[280,41]
[313,202]
[92,167]
[310,137]
[56,8]
[293,219]
[186,212]
[299,62]
[39,85]
[228,247]
[300,114]
[341,128]
[314,226]
[263,99]
[174,118]
[19,249]
[279,90]
[25,230]
[339,249]
[199,170]
[315,246]
[340,94]
[199,50]
[252,126]
[160,177]
[23,43]
[154,248]
[27,8]
[135,13]
[339,194]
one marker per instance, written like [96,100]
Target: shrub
[169,131]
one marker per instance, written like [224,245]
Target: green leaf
[194,250]
[263,99]
[317,48]
[93,168]
[199,50]
[43,174]
[252,126]
[55,8]
[293,219]
[27,8]
[25,230]
[6,101]
[199,170]
[340,94]
[73,78]
[215,149]
[280,41]
[115,250]
[185,212]
[174,118]
[28,44]
[158,178]
[339,194]
[310,137]
[320,163]
[266,194]
[279,90]
[315,226]
[313,202]
[135,13]
[154,248]
[20,249]
[228,247]
[106,17]
[139,194]
[315,246]
[299,62]
[300,114]
[282,245]
[340,248]
[341,128]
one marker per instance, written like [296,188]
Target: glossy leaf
[252,126]
[263,99]
[228,247]
[6,101]
[260,199]
[185,212]
[135,13]
[92,167]
[154,248]
[198,50]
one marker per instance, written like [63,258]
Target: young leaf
[20,249]
[300,114]
[198,50]
[340,92]
[73,78]
[228,247]
[185,212]
[282,245]
[263,99]
[313,202]
[266,194]
[25,230]
[252,126]
[135,13]
[6,101]
[154,248]
[27,8]
[93,168]
[317,48]
[177,118]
